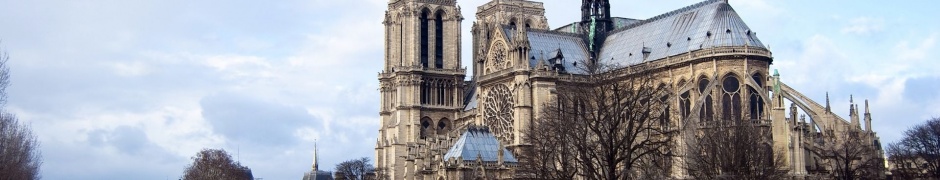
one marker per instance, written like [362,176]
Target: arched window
[685,105]
[425,124]
[424,37]
[439,40]
[730,98]
[401,37]
[424,91]
[665,117]
[707,113]
[440,92]
[756,105]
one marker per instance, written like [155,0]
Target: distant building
[315,172]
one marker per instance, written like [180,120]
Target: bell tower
[421,84]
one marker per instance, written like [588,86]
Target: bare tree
[551,154]
[918,153]
[852,156]
[906,164]
[733,150]
[607,121]
[356,169]
[19,148]
[211,164]
[4,76]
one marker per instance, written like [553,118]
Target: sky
[120,89]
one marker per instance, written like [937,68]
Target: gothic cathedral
[435,124]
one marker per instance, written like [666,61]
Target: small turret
[794,114]
[853,113]
[867,118]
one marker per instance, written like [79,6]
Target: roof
[619,22]
[478,142]
[546,45]
[472,101]
[470,95]
[707,24]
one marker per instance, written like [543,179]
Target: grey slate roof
[472,102]
[478,142]
[619,22]
[546,45]
[470,95]
[707,24]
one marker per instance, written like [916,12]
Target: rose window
[498,112]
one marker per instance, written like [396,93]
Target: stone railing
[499,73]
[696,55]
[386,74]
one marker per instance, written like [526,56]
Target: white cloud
[135,68]
[918,52]
[864,26]
[759,6]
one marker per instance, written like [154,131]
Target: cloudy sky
[121,89]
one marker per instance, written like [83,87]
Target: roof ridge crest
[667,14]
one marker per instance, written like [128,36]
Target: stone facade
[713,64]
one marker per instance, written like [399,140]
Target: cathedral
[436,123]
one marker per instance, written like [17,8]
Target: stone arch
[424,8]
[440,12]
[513,23]
[528,24]
[810,107]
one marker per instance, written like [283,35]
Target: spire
[866,107]
[853,113]
[777,83]
[595,23]
[851,105]
[315,169]
[828,108]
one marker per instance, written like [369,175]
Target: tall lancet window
[685,104]
[707,112]
[731,99]
[439,40]
[756,102]
[424,38]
